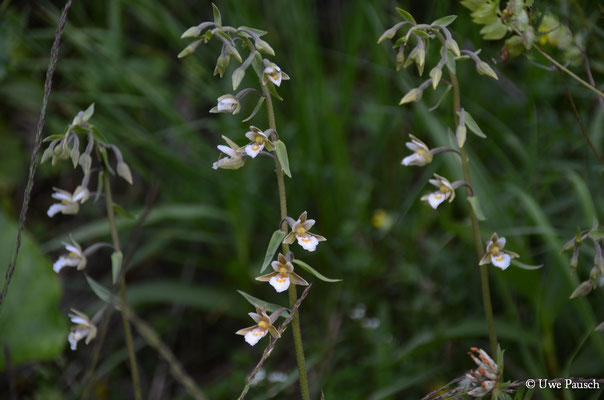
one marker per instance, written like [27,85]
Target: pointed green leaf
[273,245]
[102,292]
[525,266]
[406,16]
[444,21]
[313,271]
[217,16]
[597,234]
[475,204]
[253,30]
[105,158]
[120,210]
[116,265]
[256,109]
[281,151]
[473,126]
[53,137]
[256,302]
[88,113]
[273,90]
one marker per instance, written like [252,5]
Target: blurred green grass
[536,178]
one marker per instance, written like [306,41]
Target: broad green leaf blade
[116,265]
[475,204]
[473,126]
[444,21]
[217,16]
[406,16]
[525,266]
[313,271]
[256,302]
[273,245]
[101,291]
[31,324]
[281,151]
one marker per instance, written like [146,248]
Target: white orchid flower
[300,231]
[264,325]
[421,153]
[272,73]
[227,104]
[75,257]
[259,140]
[70,203]
[445,191]
[84,328]
[235,158]
[496,254]
[283,274]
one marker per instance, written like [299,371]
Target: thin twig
[33,164]
[578,117]
[271,345]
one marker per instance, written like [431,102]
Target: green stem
[116,247]
[484,272]
[293,294]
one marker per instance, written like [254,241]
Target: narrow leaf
[444,21]
[256,302]
[473,126]
[88,113]
[116,265]
[525,266]
[120,210]
[273,90]
[102,292]
[313,271]
[475,204]
[256,109]
[217,16]
[281,151]
[273,245]
[406,16]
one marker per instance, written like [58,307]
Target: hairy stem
[293,294]
[116,246]
[484,272]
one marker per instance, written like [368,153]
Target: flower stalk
[484,272]
[292,291]
[122,283]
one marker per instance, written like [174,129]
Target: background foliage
[416,281]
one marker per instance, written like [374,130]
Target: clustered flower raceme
[496,254]
[67,146]
[261,142]
[482,380]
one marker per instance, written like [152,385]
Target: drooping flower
[75,257]
[300,231]
[445,191]
[482,380]
[70,203]
[264,325]
[273,73]
[283,274]
[259,140]
[421,153]
[496,254]
[84,328]
[227,104]
[235,158]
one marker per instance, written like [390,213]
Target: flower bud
[189,49]
[264,47]
[237,77]
[124,171]
[193,31]
[452,45]
[582,290]
[435,74]
[412,96]
[574,260]
[400,57]
[85,161]
[484,69]
[389,34]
